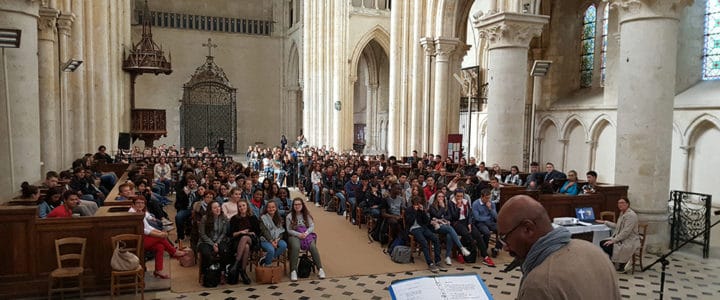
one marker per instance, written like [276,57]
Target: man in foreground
[555,266]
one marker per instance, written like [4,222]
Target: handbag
[268,274]
[187,260]
[123,260]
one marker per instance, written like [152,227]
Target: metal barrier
[689,216]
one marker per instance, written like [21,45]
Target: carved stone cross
[210,45]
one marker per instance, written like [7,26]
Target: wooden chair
[133,278]
[637,258]
[607,216]
[64,271]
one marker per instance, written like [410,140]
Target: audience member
[300,228]
[625,239]
[570,187]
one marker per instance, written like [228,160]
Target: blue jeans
[280,177]
[316,189]
[181,218]
[352,206]
[271,252]
[451,238]
[422,235]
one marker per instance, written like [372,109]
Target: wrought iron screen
[689,216]
[208,109]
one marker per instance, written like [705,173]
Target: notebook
[585,214]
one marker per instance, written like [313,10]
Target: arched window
[604,43]
[587,50]
[711,57]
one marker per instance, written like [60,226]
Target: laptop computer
[585,214]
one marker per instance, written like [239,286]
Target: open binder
[451,287]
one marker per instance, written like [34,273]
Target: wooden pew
[29,255]
[559,205]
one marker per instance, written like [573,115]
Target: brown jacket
[626,239]
[580,270]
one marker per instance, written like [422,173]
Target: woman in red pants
[154,239]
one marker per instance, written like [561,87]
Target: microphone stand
[664,262]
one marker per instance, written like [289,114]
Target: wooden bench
[560,205]
[29,256]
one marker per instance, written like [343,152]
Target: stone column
[371,112]
[509,35]
[78,108]
[443,54]
[102,72]
[416,85]
[48,81]
[20,154]
[646,90]
[429,47]
[65,21]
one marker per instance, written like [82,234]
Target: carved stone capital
[631,10]
[64,23]
[428,45]
[47,24]
[444,48]
[508,29]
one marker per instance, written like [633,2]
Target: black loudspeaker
[124,141]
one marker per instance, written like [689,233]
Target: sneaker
[261,262]
[465,251]
[321,273]
[495,252]
[317,204]
[433,268]
[448,261]
[353,221]
[488,261]
[344,214]
[166,222]
[168,228]
[460,259]
[293,276]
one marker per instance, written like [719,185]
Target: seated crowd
[225,213]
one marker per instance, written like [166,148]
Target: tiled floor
[689,277]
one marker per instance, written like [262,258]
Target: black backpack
[232,273]
[305,266]
[380,232]
[211,277]
[472,258]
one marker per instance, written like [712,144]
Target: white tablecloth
[600,231]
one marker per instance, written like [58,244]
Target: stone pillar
[78,108]
[65,21]
[396,78]
[371,111]
[416,85]
[48,81]
[429,47]
[102,72]
[646,92]
[444,49]
[19,110]
[509,35]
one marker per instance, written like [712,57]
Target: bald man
[555,266]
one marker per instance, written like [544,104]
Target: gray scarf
[544,247]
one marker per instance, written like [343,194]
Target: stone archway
[370,99]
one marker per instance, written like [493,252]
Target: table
[592,233]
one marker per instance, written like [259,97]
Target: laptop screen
[585,214]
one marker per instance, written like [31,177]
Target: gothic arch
[544,123]
[598,125]
[696,126]
[293,65]
[377,33]
[451,18]
[569,125]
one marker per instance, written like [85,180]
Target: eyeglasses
[504,236]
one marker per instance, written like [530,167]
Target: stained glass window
[606,11]
[587,47]
[711,59]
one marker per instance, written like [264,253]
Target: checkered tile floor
[688,277]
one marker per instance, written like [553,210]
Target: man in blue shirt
[352,189]
[485,217]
